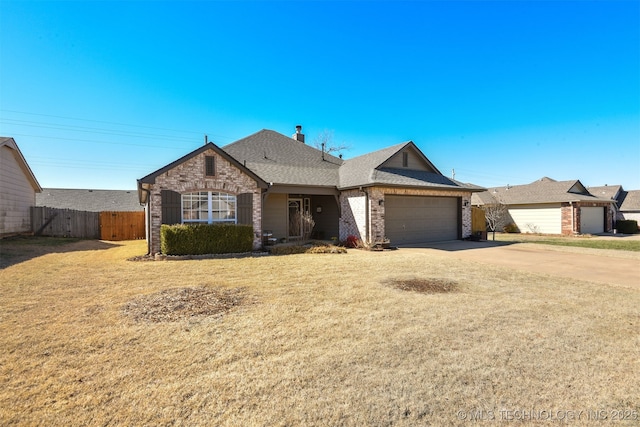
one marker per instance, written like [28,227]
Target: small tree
[324,141]
[307,225]
[494,214]
[304,220]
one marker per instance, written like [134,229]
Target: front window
[208,207]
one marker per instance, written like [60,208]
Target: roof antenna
[453,174]
[323,151]
[206,139]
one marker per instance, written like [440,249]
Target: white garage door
[545,219]
[591,220]
[414,219]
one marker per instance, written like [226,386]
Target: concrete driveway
[621,268]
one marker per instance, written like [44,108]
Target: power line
[211,134]
[97,121]
[73,128]
[128,144]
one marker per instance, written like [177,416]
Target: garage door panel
[591,220]
[413,219]
[537,219]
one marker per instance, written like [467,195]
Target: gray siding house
[268,180]
[18,188]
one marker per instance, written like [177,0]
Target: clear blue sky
[99,94]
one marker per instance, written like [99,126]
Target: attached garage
[417,219]
[546,219]
[592,220]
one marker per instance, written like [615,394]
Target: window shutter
[171,207]
[245,208]
[210,165]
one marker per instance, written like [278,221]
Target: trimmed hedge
[202,239]
[627,226]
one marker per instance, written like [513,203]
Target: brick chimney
[298,136]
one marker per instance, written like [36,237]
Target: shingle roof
[365,170]
[359,170]
[631,201]
[279,159]
[151,178]
[606,191]
[89,200]
[545,190]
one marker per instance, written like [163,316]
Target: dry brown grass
[324,341]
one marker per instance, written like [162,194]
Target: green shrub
[201,239]
[627,226]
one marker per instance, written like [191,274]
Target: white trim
[210,211]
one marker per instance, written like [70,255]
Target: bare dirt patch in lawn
[172,305]
[425,286]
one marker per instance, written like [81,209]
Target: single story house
[629,206]
[18,189]
[269,180]
[551,207]
[627,203]
[90,200]
[610,192]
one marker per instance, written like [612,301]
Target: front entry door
[295,218]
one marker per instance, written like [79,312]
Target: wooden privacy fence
[478,222]
[87,225]
[122,225]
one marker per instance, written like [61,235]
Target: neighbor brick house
[551,207]
[268,179]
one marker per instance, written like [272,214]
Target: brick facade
[353,214]
[189,176]
[354,209]
[570,213]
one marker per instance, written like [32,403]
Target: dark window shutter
[210,165]
[245,208]
[171,207]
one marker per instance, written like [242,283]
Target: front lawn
[579,241]
[364,338]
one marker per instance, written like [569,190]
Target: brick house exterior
[282,179]
[548,206]
[188,175]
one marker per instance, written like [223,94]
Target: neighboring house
[610,192]
[629,207]
[18,188]
[268,180]
[90,200]
[627,203]
[552,207]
